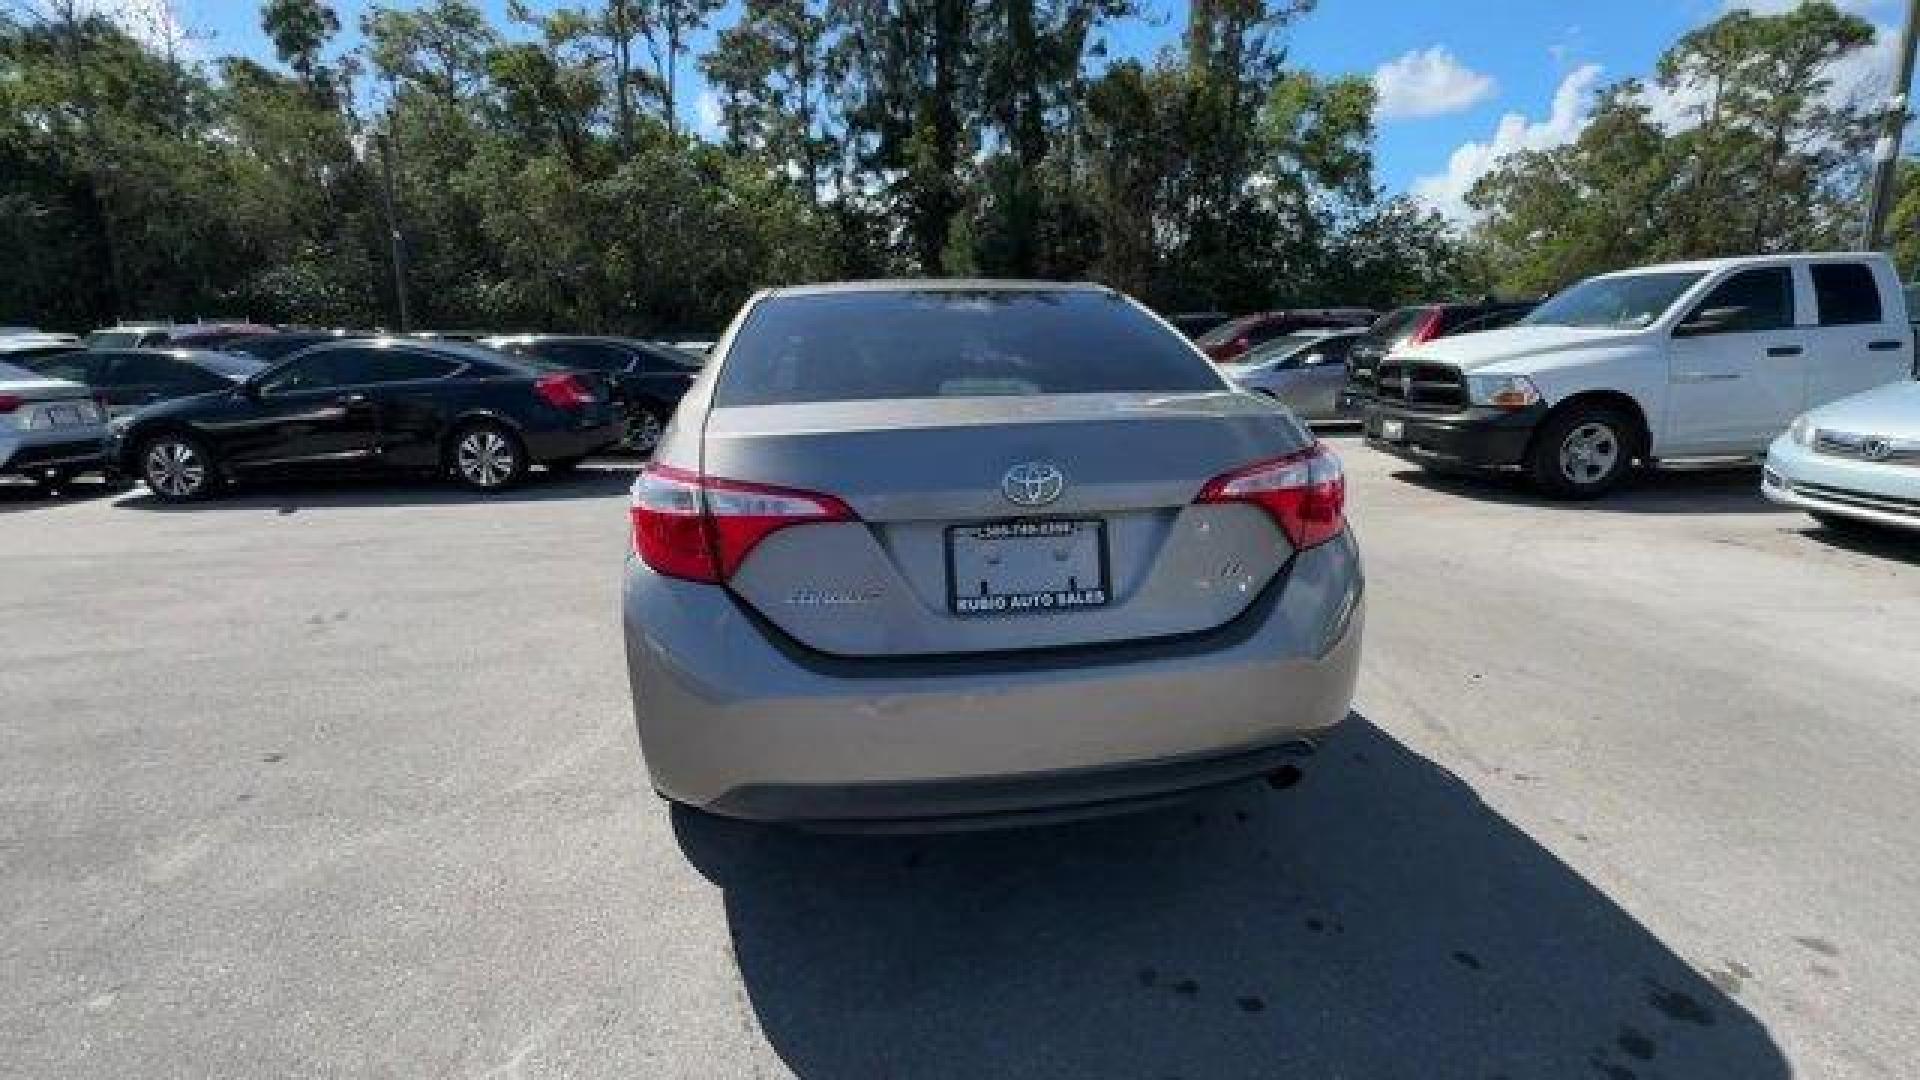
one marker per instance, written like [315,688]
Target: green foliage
[1762,158]
[542,176]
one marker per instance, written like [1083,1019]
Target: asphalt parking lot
[342,780]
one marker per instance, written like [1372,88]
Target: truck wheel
[1582,453]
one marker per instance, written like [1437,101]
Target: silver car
[50,429]
[930,554]
[1304,371]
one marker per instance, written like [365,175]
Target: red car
[1233,339]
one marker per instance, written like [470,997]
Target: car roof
[1701,266]
[882,285]
[459,350]
[181,352]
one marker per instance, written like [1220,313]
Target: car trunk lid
[957,550]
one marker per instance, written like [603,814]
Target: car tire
[487,456]
[641,430]
[178,468]
[1582,453]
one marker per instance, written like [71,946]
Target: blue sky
[1462,81]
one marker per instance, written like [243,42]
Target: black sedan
[126,380]
[648,378]
[414,406]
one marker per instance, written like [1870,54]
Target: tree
[1762,156]
[299,30]
[777,70]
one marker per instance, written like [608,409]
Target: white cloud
[1447,191]
[1428,82]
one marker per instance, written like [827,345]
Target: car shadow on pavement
[1881,543]
[291,495]
[1718,489]
[1378,920]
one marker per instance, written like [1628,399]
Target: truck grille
[1421,386]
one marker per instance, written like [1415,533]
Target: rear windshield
[863,346]
[1226,331]
[1284,345]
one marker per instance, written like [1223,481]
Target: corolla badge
[1034,483]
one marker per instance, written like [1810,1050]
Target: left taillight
[10,403]
[1305,493]
[563,391]
[701,528]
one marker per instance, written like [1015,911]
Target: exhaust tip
[1288,774]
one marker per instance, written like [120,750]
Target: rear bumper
[739,723]
[1487,439]
[1886,494]
[36,452]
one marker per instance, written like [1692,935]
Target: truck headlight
[1509,392]
[1802,430]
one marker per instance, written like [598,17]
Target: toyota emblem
[1034,483]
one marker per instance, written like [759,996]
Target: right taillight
[701,528]
[1428,329]
[1305,492]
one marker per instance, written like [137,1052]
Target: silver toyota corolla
[934,553]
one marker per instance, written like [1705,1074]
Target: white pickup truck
[1686,360]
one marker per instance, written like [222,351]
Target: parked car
[130,336]
[1686,360]
[14,331]
[1304,371]
[20,348]
[214,335]
[1233,338]
[1852,462]
[50,429]
[648,378]
[899,558]
[126,380]
[1195,324]
[445,335]
[1417,324]
[429,407]
[272,348]
[697,347]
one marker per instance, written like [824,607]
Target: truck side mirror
[1717,320]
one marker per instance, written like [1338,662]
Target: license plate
[67,415]
[1393,430]
[1026,567]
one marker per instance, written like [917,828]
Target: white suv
[1686,360]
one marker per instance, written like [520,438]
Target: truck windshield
[1619,302]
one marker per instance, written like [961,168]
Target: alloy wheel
[642,431]
[486,458]
[174,468]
